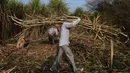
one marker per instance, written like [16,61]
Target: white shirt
[64,34]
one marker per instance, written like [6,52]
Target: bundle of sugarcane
[99,43]
[101,30]
[36,26]
[42,21]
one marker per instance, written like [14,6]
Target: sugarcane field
[64,36]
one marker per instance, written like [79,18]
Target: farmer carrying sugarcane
[64,43]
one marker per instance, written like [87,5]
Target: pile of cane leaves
[97,46]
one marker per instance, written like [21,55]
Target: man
[64,44]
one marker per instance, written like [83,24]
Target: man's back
[64,34]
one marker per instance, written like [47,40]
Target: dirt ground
[43,53]
[38,57]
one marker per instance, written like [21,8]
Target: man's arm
[73,23]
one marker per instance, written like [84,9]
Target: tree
[58,6]
[79,11]
[116,12]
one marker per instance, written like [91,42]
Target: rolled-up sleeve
[72,24]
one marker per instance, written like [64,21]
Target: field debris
[96,46]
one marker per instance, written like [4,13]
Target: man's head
[53,33]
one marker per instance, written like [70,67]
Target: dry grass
[26,60]
[97,48]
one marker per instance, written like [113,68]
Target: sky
[72,4]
